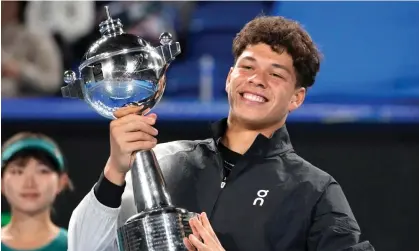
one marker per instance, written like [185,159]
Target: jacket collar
[262,146]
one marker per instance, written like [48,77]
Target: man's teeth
[253,97]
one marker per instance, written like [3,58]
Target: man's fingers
[140,145]
[123,111]
[138,136]
[139,125]
[207,225]
[134,118]
[197,243]
[188,244]
[205,235]
[151,115]
[194,230]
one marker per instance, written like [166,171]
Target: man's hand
[203,237]
[129,133]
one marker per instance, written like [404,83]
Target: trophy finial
[110,27]
[69,77]
[166,38]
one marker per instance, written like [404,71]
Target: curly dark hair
[282,35]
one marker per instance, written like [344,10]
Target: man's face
[261,87]
[30,188]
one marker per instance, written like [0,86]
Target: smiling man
[254,191]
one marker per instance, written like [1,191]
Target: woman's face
[30,186]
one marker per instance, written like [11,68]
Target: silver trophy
[120,70]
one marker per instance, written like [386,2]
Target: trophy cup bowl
[121,70]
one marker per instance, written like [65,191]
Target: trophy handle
[168,50]
[148,183]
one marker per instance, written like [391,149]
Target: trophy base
[162,229]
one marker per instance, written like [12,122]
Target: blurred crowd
[41,39]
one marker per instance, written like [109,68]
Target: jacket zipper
[223,183]
[214,208]
[222,186]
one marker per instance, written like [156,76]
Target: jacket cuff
[107,193]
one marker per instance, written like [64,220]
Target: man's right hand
[130,132]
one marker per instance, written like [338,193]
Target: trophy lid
[114,41]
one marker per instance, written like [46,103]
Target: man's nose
[257,80]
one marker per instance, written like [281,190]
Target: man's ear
[297,99]
[228,79]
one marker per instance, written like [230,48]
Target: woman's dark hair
[22,157]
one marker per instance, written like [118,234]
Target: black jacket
[272,200]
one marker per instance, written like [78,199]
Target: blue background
[370,70]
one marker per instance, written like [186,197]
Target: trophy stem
[148,182]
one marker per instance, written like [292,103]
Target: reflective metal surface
[121,70]
[157,230]
[148,182]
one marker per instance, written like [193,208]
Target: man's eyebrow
[249,58]
[281,67]
[275,65]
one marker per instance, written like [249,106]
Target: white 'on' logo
[259,200]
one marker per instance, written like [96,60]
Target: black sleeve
[334,227]
[108,193]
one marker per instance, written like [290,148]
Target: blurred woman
[31,62]
[33,174]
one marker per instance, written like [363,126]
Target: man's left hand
[203,237]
